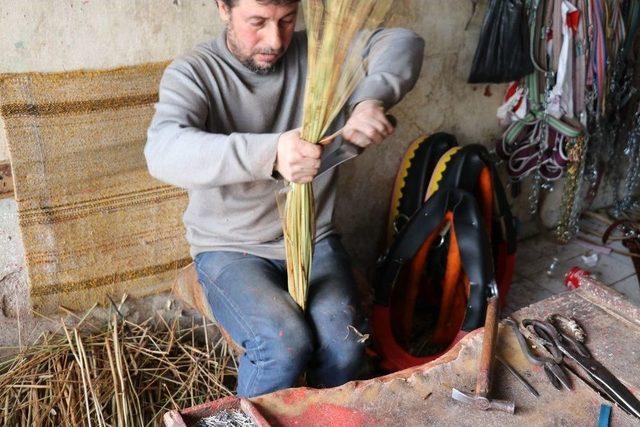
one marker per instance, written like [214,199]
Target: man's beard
[249,61]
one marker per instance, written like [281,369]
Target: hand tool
[605,415]
[345,152]
[518,376]
[552,369]
[575,351]
[588,381]
[481,400]
[568,326]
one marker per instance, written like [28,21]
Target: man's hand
[297,160]
[367,125]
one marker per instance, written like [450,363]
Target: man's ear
[225,12]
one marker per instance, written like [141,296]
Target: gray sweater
[216,127]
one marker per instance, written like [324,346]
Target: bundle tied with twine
[338,31]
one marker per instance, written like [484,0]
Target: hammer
[481,400]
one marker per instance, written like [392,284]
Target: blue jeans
[249,298]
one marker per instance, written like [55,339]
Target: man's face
[259,34]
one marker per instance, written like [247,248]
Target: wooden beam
[6,180]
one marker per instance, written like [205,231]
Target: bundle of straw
[338,31]
[126,374]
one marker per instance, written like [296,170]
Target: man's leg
[248,298]
[334,311]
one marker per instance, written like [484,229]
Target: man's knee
[340,360]
[342,331]
[291,344]
[335,312]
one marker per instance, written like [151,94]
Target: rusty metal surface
[421,396]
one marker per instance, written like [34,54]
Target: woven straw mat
[93,221]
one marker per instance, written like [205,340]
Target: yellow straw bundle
[338,31]
[120,374]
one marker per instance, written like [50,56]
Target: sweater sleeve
[393,63]
[180,152]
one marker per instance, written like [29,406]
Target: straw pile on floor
[124,374]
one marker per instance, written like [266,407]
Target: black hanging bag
[502,54]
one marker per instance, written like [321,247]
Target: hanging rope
[562,120]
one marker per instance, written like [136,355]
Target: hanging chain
[568,224]
[536,184]
[632,151]
[542,139]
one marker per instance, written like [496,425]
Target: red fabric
[511,90]
[409,291]
[573,19]
[454,295]
[394,357]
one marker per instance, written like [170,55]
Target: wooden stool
[189,291]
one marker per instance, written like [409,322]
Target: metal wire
[227,418]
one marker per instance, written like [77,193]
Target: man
[225,129]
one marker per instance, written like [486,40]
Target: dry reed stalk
[337,32]
[126,374]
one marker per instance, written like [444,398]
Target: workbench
[421,396]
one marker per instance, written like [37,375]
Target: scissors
[550,362]
[572,348]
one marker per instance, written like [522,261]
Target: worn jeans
[248,296]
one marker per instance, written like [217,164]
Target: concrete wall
[61,35]
[54,35]
[442,101]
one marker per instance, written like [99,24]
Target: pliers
[577,352]
[550,363]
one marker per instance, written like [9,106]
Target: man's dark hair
[231,3]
